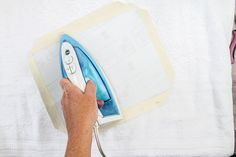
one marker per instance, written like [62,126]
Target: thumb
[90,88]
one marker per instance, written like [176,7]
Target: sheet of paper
[126,54]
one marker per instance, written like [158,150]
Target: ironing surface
[195,121]
[92,71]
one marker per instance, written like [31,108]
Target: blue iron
[78,66]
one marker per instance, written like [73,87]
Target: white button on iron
[68,59]
[68,70]
[72,68]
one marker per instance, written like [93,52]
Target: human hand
[80,113]
[79,108]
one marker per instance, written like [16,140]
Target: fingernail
[91,81]
[63,85]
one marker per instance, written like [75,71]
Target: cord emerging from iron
[96,134]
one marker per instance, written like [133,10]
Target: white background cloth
[196,120]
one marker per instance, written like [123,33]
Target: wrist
[80,131]
[79,142]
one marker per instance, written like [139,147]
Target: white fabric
[197,120]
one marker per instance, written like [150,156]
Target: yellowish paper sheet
[101,33]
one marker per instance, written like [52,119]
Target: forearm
[79,144]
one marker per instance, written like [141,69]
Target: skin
[80,112]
